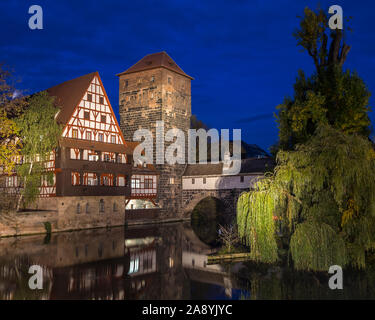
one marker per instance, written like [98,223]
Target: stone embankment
[25,223]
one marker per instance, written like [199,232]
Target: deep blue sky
[241,53]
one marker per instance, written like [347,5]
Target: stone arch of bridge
[192,203]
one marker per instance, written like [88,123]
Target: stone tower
[156,89]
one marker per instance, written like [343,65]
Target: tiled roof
[68,95]
[248,166]
[155,60]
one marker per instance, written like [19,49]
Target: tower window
[126,83]
[169,80]
[152,78]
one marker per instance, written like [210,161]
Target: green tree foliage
[9,107]
[331,95]
[322,191]
[324,195]
[255,220]
[40,134]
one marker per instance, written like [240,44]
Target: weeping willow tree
[323,193]
[258,230]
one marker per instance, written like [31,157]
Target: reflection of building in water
[135,263]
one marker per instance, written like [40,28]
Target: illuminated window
[75,154]
[113,138]
[75,133]
[148,183]
[90,179]
[171,180]
[134,266]
[93,156]
[75,179]
[106,179]
[121,181]
[169,80]
[136,183]
[88,135]
[101,137]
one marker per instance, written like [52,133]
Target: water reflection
[155,262]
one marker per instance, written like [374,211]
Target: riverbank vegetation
[317,208]
[28,135]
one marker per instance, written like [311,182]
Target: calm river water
[153,262]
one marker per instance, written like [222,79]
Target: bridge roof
[248,166]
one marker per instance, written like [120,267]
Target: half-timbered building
[93,165]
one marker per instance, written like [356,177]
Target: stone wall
[190,198]
[66,213]
[158,95]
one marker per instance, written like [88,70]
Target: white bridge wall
[219,182]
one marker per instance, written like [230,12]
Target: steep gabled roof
[155,60]
[69,94]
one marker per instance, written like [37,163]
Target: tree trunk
[24,181]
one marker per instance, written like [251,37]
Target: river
[153,262]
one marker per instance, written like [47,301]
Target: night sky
[241,53]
